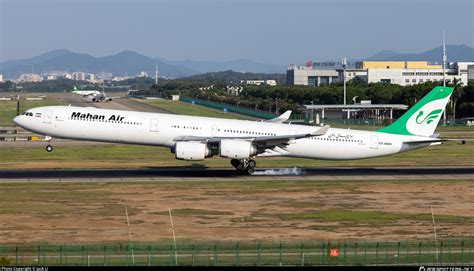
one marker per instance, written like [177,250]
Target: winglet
[321,131]
[282,118]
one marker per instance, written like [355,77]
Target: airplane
[94,95]
[85,93]
[241,141]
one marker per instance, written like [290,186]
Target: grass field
[126,156]
[236,210]
[8,108]
[182,108]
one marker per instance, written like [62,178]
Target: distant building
[259,82]
[311,77]
[271,82]
[120,78]
[1,77]
[104,76]
[91,77]
[79,76]
[392,72]
[143,74]
[30,77]
[470,71]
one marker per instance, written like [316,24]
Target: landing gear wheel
[49,148]
[250,170]
[252,163]
[235,163]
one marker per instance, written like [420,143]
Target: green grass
[193,212]
[374,218]
[120,156]
[183,108]
[8,108]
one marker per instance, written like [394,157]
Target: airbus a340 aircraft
[94,95]
[196,138]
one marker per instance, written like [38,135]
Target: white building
[91,77]
[412,76]
[1,77]
[470,72]
[393,72]
[271,82]
[79,76]
[259,82]
[120,78]
[104,76]
[143,74]
[30,77]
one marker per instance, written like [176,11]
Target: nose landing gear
[244,165]
[49,147]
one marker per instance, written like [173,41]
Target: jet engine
[191,150]
[236,149]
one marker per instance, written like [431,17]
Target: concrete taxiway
[221,174]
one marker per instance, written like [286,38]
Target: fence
[229,108]
[447,252]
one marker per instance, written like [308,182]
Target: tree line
[266,98]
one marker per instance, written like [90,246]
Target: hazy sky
[277,31]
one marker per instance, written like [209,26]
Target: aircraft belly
[307,148]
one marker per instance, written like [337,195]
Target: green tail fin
[422,118]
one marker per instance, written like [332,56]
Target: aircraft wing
[261,141]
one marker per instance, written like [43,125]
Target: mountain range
[453,52]
[131,63]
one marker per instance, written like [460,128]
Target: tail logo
[429,118]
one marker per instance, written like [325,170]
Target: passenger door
[374,142]
[47,116]
[153,125]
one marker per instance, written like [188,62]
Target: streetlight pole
[344,65]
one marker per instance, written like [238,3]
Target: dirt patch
[375,210]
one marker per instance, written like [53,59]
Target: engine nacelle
[191,150]
[236,149]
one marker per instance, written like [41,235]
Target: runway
[119,103]
[223,174]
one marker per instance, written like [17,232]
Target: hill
[123,63]
[228,77]
[454,53]
[240,65]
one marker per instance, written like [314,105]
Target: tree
[458,92]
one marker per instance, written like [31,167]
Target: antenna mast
[444,74]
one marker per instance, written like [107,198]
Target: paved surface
[221,174]
[119,103]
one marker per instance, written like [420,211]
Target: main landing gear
[49,148]
[244,165]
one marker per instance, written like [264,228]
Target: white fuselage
[86,92]
[119,126]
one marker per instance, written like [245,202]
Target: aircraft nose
[17,120]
